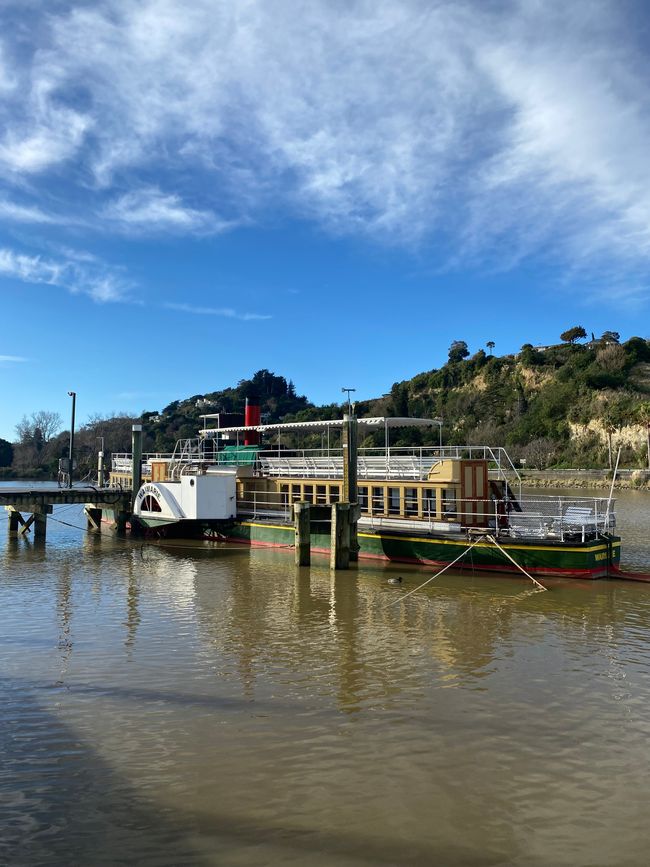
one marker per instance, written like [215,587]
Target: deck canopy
[376,423]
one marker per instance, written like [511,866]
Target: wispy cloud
[15,212]
[492,131]
[151,210]
[12,359]
[100,282]
[227,312]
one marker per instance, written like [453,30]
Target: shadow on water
[60,803]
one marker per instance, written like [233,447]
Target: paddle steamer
[421,505]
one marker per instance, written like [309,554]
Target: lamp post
[100,463]
[348,390]
[73,395]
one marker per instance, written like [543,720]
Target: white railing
[550,518]
[265,504]
[411,462]
[122,462]
[403,462]
[562,517]
[368,467]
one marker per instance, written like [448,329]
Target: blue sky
[331,190]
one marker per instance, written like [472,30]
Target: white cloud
[15,212]
[12,359]
[151,210]
[99,282]
[516,126]
[227,312]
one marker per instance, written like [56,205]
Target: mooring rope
[512,560]
[444,569]
[460,557]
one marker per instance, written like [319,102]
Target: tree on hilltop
[573,334]
[458,350]
[490,345]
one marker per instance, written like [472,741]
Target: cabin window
[321,494]
[429,502]
[284,494]
[449,502]
[335,493]
[410,501]
[150,504]
[394,501]
[296,493]
[378,501]
[308,493]
[362,496]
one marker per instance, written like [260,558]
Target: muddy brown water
[201,705]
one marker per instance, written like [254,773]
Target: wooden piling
[40,523]
[15,519]
[136,456]
[303,536]
[121,519]
[350,493]
[340,538]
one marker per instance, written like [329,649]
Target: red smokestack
[252,417]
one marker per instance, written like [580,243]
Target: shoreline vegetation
[634,481]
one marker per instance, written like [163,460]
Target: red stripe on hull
[590,574]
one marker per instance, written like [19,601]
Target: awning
[376,423]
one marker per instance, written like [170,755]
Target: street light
[73,395]
[100,463]
[348,390]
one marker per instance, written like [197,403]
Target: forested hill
[570,405]
[560,405]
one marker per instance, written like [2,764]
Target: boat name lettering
[148,489]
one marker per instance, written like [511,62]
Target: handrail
[550,517]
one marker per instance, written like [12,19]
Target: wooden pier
[38,503]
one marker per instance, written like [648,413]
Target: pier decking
[38,503]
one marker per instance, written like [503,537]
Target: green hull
[595,559]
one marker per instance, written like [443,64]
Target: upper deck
[416,463]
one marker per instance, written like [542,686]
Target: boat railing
[404,462]
[122,462]
[545,518]
[557,517]
[265,504]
